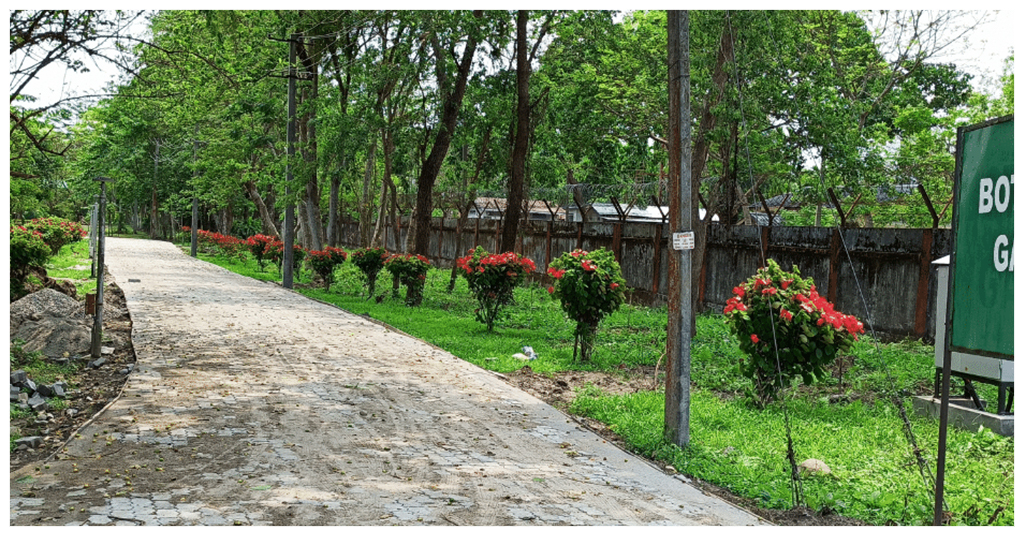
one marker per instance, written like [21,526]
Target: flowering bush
[492,278]
[411,271]
[28,250]
[57,232]
[779,313]
[590,286]
[259,246]
[213,243]
[370,262]
[275,253]
[324,262]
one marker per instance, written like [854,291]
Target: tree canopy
[412,114]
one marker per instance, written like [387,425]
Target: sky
[982,55]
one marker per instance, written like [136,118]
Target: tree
[450,94]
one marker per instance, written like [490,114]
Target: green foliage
[411,271]
[370,262]
[259,247]
[786,329]
[492,279]
[275,253]
[323,263]
[37,366]
[28,250]
[589,286]
[57,232]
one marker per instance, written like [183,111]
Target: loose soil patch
[92,389]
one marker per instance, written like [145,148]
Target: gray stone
[98,363]
[106,350]
[37,403]
[29,442]
[29,384]
[814,466]
[71,412]
[15,391]
[18,376]
[54,336]
[44,390]
[58,391]
[45,302]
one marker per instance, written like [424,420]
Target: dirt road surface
[253,405]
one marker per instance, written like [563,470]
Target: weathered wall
[881,268]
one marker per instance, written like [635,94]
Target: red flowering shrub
[411,271]
[492,279]
[215,243]
[275,253]
[259,246]
[590,286]
[778,310]
[57,232]
[28,250]
[324,262]
[370,262]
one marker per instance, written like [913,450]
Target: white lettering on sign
[1002,254]
[997,194]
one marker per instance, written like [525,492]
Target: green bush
[370,262]
[411,271]
[590,286]
[492,278]
[786,329]
[323,263]
[57,232]
[28,250]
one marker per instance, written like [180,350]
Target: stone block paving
[252,405]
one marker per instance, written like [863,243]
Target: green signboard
[982,268]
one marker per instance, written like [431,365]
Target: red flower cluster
[226,244]
[492,279]
[556,273]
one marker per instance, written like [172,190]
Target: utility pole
[195,201]
[680,302]
[289,211]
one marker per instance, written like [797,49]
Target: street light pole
[97,324]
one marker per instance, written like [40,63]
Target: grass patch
[72,263]
[40,369]
[733,445]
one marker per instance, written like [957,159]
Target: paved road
[252,405]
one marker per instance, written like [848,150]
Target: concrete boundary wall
[888,269]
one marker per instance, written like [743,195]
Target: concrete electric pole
[680,302]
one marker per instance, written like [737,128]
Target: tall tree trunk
[154,221]
[451,103]
[514,208]
[699,157]
[365,207]
[333,212]
[266,218]
[307,141]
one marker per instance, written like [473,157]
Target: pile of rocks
[29,395]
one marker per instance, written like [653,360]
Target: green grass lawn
[733,444]
[72,262]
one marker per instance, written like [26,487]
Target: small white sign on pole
[684,240]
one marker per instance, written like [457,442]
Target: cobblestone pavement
[252,405]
